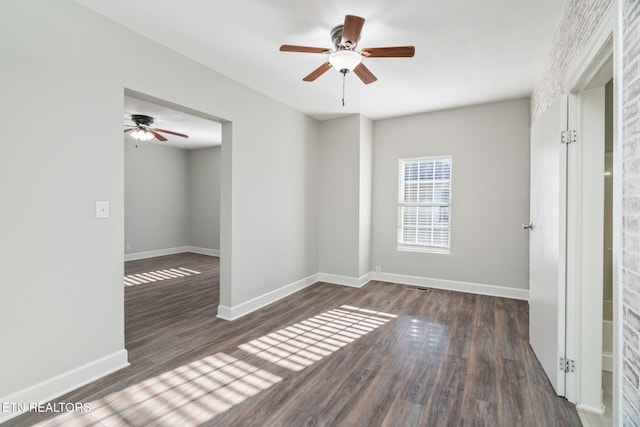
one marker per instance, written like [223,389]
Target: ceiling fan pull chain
[344,77]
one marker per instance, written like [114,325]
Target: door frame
[593,69]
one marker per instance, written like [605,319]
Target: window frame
[417,247]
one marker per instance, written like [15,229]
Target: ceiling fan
[143,131]
[344,57]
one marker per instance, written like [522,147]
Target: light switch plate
[102,209]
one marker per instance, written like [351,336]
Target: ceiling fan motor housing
[140,119]
[336,38]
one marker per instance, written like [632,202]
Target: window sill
[429,250]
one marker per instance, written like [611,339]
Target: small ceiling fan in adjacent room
[344,56]
[142,130]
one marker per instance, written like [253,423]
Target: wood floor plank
[384,354]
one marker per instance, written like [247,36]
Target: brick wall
[578,23]
[629,92]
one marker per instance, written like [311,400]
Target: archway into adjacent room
[172,216]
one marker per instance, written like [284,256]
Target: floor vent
[417,288]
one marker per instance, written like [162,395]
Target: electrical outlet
[128,246]
[378,269]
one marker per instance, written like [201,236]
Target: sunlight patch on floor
[186,396]
[192,394]
[302,344]
[159,275]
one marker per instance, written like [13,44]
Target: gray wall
[365,181]
[339,196]
[204,190]
[273,199]
[346,186]
[490,192]
[70,73]
[172,197]
[157,198]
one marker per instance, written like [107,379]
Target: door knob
[527,226]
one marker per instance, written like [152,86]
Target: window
[424,204]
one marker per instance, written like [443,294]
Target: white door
[547,240]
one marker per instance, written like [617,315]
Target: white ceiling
[467,51]
[202,132]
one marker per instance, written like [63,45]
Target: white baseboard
[452,285]
[171,251]
[159,252]
[355,282]
[63,383]
[599,411]
[235,312]
[204,251]
[607,362]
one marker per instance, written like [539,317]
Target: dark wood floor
[329,355]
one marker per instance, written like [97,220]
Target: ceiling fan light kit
[141,135]
[344,57]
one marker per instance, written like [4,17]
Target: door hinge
[568,136]
[567,365]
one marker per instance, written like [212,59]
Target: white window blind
[424,204]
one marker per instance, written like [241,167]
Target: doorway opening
[608,325]
[172,187]
[591,260]
[172,214]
